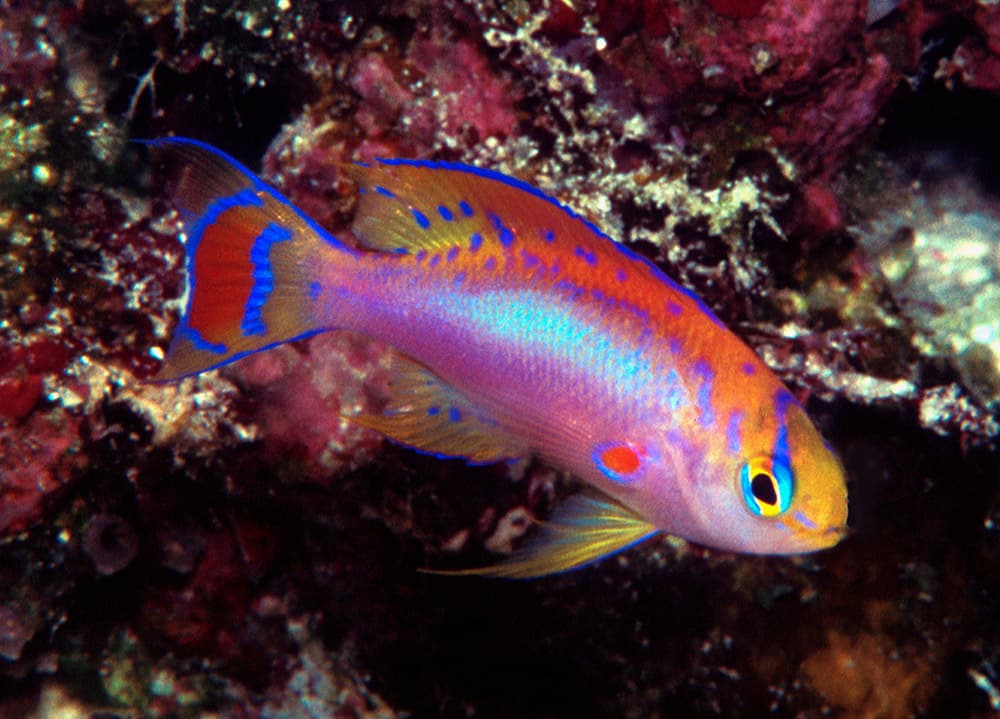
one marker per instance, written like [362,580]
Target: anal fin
[427,414]
[583,529]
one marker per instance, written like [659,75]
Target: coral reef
[938,249]
[230,546]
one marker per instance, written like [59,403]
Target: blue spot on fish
[702,368]
[575,290]
[452,254]
[454,414]
[782,399]
[589,257]
[733,431]
[675,309]
[550,236]
[315,290]
[490,264]
[445,213]
[421,219]
[465,208]
[749,369]
[621,275]
[530,260]
[505,235]
[808,523]
[475,241]
[433,411]
[498,177]
[384,191]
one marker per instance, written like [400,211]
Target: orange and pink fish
[521,329]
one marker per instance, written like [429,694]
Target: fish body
[521,329]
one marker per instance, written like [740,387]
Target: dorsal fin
[413,206]
[409,205]
[427,414]
[584,528]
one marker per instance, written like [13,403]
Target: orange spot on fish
[620,459]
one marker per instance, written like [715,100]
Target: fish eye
[767,485]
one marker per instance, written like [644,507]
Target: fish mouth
[820,522]
[813,537]
[832,536]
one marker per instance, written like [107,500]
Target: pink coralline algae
[385,97]
[977,60]
[697,50]
[465,92]
[37,458]
[439,88]
[306,397]
[851,101]
[809,63]
[18,395]
[22,370]
[737,8]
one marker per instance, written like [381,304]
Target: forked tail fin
[251,261]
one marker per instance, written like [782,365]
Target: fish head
[783,492]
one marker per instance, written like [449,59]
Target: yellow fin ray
[414,205]
[583,529]
[427,414]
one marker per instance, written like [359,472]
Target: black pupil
[763,489]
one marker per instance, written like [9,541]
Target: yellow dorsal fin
[412,205]
[583,529]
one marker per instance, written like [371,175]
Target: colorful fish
[521,329]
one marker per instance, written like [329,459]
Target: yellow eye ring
[766,483]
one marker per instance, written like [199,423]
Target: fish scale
[521,329]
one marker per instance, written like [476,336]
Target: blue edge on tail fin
[258,183]
[183,330]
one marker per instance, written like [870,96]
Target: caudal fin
[251,261]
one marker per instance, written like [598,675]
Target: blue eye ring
[767,485]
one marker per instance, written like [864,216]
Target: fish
[520,329]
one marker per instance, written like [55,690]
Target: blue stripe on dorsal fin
[427,414]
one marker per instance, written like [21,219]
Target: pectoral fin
[582,530]
[427,414]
